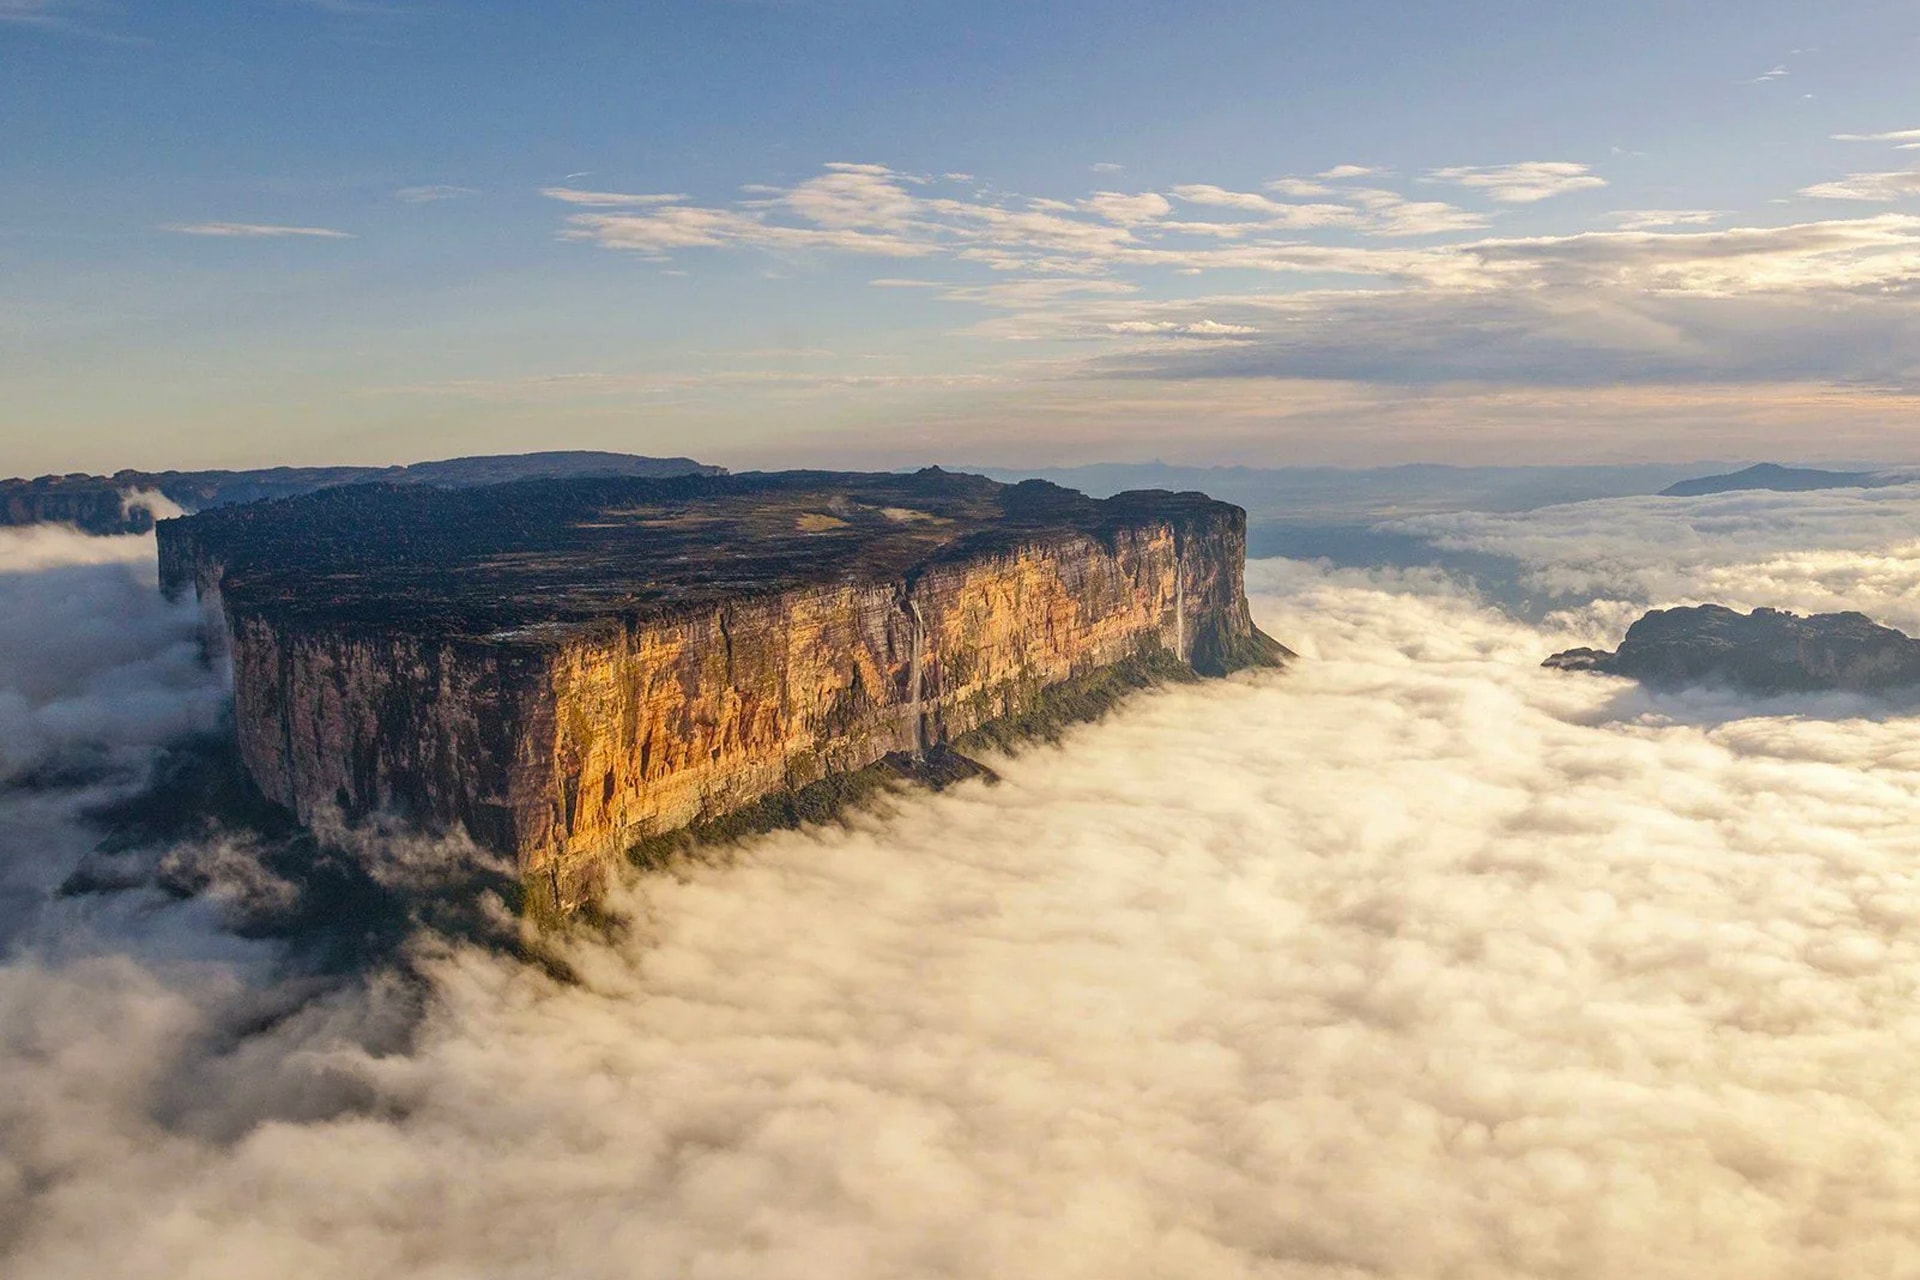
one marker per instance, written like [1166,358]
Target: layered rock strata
[564,669]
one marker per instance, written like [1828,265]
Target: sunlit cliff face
[1416,960]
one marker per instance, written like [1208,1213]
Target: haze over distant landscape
[776,639]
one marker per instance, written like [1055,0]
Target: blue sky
[885,233]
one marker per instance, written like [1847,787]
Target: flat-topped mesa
[566,668]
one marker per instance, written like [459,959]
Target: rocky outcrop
[1766,651]
[130,501]
[566,670]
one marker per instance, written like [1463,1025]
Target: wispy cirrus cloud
[1905,139]
[86,19]
[1868,187]
[359,8]
[254,230]
[429,193]
[608,199]
[35,13]
[1657,298]
[869,209]
[1392,214]
[1273,214]
[860,208]
[1527,182]
[1369,210]
[1658,219]
[1202,328]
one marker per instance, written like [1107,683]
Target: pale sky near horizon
[860,232]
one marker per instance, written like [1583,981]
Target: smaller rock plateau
[1766,651]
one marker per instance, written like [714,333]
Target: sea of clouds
[1415,960]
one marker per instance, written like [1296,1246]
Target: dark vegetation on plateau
[541,554]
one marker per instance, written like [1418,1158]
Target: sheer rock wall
[562,746]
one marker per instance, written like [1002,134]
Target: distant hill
[1319,496]
[130,501]
[1769,475]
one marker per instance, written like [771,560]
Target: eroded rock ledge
[1767,651]
[569,669]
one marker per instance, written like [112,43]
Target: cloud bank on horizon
[1819,552]
[1415,959]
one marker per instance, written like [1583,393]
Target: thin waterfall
[1179,612]
[914,678]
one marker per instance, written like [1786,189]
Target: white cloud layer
[1416,960]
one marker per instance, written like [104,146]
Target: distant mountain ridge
[1321,495]
[1772,476]
[125,502]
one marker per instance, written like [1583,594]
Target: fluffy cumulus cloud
[1415,960]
